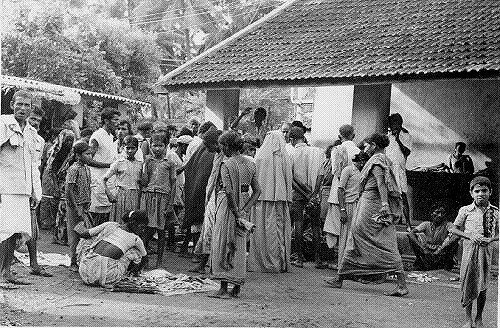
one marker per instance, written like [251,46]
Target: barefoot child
[158,181]
[128,175]
[77,196]
[477,223]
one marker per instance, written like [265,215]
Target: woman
[233,204]
[372,251]
[110,250]
[270,245]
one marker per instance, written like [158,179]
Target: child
[77,196]
[158,182]
[477,223]
[128,175]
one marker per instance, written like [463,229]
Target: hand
[343,215]
[476,239]
[485,241]
[246,111]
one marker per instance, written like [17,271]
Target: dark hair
[361,157]
[296,132]
[337,143]
[38,111]
[145,126]
[346,130]
[205,127]
[396,118]
[461,144]
[127,123]
[87,132]
[259,115]
[137,217]
[108,113]
[131,141]
[80,147]
[23,94]
[481,181]
[163,137]
[211,137]
[232,140]
[438,204]
[328,151]
[299,124]
[185,131]
[380,140]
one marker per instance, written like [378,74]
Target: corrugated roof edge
[235,36]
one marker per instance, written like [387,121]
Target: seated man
[107,252]
[435,249]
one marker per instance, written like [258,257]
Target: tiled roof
[352,41]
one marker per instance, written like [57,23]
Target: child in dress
[477,224]
[127,170]
[157,199]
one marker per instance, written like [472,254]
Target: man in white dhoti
[20,185]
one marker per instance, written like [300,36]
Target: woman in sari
[270,244]
[233,205]
[372,251]
[107,252]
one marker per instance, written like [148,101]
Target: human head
[360,160]
[136,221]
[300,125]
[185,131]
[36,117]
[183,142]
[81,150]
[124,129]
[375,142]
[438,212]
[285,128]
[210,139]
[460,147]
[395,122]
[259,115]
[145,128]
[131,145]
[110,117]
[159,143]
[194,123]
[205,127]
[86,134]
[296,135]
[21,105]
[480,190]
[346,132]
[231,143]
[172,129]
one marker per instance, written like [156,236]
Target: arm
[235,123]
[317,186]
[112,171]
[344,178]
[256,191]
[226,182]
[91,162]
[173,180]
[70,197]
[382,189]
[145,174]
[304,190]
[405,150]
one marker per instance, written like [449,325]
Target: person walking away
[228,249]
[20,185]
[371,250]
[306,162]
[433,247]
[270,244]
[127,171]
[78,198]
[477,224]
[157,199]
[400,145]
[459,162]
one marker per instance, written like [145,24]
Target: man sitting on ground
[435,249]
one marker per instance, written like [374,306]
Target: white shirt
[192,147]
[306,163]
[352,150]
[393,151]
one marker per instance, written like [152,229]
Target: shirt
[351,150]
[158,174]
[471,218]
[106,153]
[434,236]
[393,151]
[79,175]
[191,148]
[122,239]
[19,159]
[128,173]
[306,163]
[350,179]
[463,164]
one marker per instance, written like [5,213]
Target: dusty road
[295,299]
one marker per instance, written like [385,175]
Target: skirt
[474,270]
[15,216]
[345,228]
[332,224]
[155,204]
[126,200]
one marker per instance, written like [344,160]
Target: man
[459,162]
[306,163]
[198,139]
[20,185]
[194,123]
[399,149]
[285,128]
[433,248]
[103,151]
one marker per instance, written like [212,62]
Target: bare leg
[401,289]
[235,292]
[161,247]
[35,268]
[481,301]
[200,268]
[468,314]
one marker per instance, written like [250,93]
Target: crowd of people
[109,193]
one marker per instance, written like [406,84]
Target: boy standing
[77,196]
[477,223]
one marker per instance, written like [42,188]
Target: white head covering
[184,139]
[274,168]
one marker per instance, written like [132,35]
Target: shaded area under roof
[307,42]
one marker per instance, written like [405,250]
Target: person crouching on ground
[437,249]
[110,250]
[77,196]
[477,224]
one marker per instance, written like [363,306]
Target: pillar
[370,109]
[222,107]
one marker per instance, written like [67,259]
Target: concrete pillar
[222,107]
[370,109]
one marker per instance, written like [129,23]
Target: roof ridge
[236,35]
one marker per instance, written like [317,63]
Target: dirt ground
[295,299]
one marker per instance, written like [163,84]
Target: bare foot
[479,323]
[469,324]
[220,294]
[334,283]
[398,292]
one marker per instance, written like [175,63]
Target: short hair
[232,140]
[145,126]
[131,141]
[163,137]
[194,119]
[396,118]
[138,217]
[22,93]
[87,132]
[438,204]
[127,123]
[211,137]
[108,112]
[380,140]
[296,132]
[80,147]
[299,124]
[461,144]
[185,131]
[361,157]
[37,111]
[205,127]
[346,130]
[481,181]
